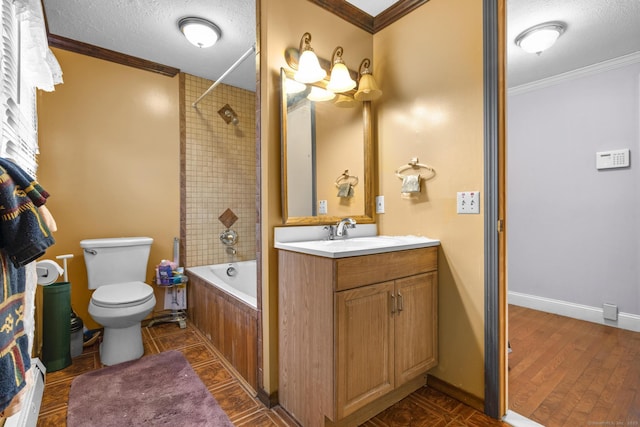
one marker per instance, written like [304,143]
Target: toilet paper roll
[48,271]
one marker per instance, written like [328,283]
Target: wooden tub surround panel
[230,325]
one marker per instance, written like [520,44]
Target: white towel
[411,184]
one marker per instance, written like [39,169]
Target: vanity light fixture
[293,86]
[200,32]
[309,70]
[340,81]
[344,101]
[540,37]
[368,89]
[319,94]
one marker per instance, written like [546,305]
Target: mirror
[327,155]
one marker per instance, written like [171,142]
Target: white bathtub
[242,284]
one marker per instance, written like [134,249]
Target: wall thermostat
[612,159]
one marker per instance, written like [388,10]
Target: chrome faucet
[343,225]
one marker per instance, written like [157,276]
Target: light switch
[379,204]
[468,202]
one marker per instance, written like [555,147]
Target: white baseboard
[517,420]
[627,321]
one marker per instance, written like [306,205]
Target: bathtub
[238,279]
[221,303]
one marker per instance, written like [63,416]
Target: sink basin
[357,246]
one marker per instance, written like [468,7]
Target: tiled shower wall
[220,172]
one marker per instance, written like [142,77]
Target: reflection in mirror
[326,154]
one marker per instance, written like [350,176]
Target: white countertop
[313,240]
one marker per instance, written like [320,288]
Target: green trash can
[56,333]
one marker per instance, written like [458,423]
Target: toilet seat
[120,295]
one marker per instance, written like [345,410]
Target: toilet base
[121,344]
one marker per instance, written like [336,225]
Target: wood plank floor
[424,408]
[568,372]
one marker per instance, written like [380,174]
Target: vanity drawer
[364,270]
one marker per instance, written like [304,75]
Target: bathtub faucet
[343,225]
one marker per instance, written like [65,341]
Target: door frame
[495,341]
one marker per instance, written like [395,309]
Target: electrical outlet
[468,202]
[379,204]
[322,207]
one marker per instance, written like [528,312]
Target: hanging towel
[345,190]
[24,237]
[411,184]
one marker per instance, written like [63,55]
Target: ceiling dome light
[540,37]
[200,32]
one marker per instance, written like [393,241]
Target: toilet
[116,269]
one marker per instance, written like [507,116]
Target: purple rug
[156,390]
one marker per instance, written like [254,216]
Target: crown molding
[601,67]
[363,20]
[110,55]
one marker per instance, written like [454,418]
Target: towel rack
[345,177]
[414,164]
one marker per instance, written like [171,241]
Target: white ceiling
[597,30]
[372,7]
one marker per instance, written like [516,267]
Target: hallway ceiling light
[540,37]
[200,32]
[309,70]
[340,81]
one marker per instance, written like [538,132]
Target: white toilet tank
[116,260]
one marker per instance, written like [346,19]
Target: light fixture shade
[341,80]
[292,86]
[344,101]
[540,37]
[200,32]
[309,69]
[319,94]
[368,89]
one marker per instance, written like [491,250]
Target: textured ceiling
[148,29]
[597,30]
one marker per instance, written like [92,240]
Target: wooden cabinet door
[416,326]
[364,340]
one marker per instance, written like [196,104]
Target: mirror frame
[367,217]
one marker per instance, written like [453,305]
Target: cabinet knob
[400,302]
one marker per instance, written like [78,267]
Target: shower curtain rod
[233,67]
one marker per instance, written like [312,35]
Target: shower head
[228,115]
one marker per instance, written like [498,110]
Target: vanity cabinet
[357,334]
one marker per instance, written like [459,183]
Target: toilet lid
[122,294]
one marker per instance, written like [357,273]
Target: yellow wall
[282,24]
[109,155]
[429,66]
